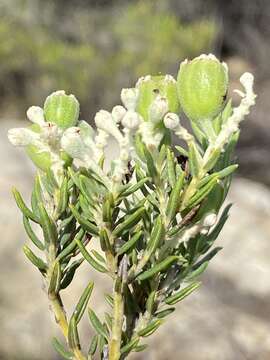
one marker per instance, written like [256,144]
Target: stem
[59,313]
[118,315]
[61,320]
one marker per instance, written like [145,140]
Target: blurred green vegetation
[90,51]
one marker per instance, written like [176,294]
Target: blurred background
[93,48]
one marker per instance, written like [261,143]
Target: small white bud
[22,136]
[103,119]
[73,144]
[36,115]
[210,220]
[247,80]
[129,98]
[158,109]
[118,112]
[171,121]
[131,120]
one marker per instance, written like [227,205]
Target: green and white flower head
[157,95]
[61,109]
[202,85]
[42,140]
[146,209]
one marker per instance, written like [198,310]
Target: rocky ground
[227,319]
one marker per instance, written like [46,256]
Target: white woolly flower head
[158,109]
[118,112]
[50,134]
[210,220]
[73,143]
[103,119]
[129,98]
[22,136]
[171,121]
[131,120]
[36,115]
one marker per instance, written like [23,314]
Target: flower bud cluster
[149,110]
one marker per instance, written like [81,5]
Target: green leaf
[107,211]
[229,149]
[129,222]
[226,113]
[82,304]
[34,203]
[109,320]
[198,271]
[87,188]
[87,225]
[132,189]
[198,132]
[150,164]
[201,193]
[171,168]
[98,256]
[55,280]
[32,236]
[129,244]
[109,299]
[48,226]
[132,344]
[73,336]
[181,150]
[223,218]
[24,209]
[180,295]
[35,260]
[63,197]
[139,147]
[37,189]
[158,268]
[195,160]
[156,236]
[211,162]
[227,171]
[140,348]
[150,329]
[89,258]
[104,240]
[162,155]
[96,323]
[93,345]
[72,246]
[59,347]
[163,313]
[140,175]
[69,273]
[174,199]
[151,302]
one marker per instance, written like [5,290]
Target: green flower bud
[150,87]
[62,109]
[42,160]
[202,85]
